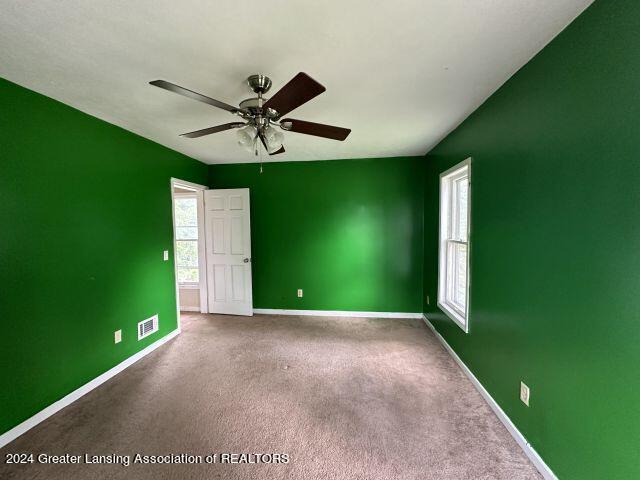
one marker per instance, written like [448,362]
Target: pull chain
[260,160]
[257,150]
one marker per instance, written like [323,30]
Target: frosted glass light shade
[273,138]
[246,136]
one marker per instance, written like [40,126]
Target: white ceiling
[401,74]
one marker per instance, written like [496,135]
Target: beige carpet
[342,398]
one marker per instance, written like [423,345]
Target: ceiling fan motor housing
[259,83]
[256,107]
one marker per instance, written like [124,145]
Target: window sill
[455,316]
[189,286]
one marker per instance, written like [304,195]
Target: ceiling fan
[260,115]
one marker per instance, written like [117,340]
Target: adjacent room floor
[344,398]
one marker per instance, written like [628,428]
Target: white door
[228,242]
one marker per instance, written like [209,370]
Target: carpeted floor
[343,398]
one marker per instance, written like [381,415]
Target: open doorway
[189,246]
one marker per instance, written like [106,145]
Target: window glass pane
[187,253]
[187,275]
[186,233]
[186,212]
[449,265]
[461,192]
[459,274]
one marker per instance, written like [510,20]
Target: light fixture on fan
[261,114]
[248,138]
[273,138]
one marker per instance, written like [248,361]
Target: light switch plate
[299,293]
[117,336]
[165,255]
[524,394]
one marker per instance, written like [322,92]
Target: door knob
[246,260]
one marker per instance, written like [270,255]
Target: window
[453,281]
[186,217]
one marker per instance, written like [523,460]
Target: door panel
[237,244]
[219,283]
[237,280]
[217,235]
[228,241]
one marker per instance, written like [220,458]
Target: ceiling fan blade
[317,129]
[280,150]
[210,130]
[299,90]
[193,95]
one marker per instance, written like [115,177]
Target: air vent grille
[147,327]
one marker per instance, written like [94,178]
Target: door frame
[202,261]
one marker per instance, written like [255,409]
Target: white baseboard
[42,415]
[529,451]
[336,313]
[190,309]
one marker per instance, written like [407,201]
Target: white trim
[202,255]
[335,313]
[55,407]
[458,166]
[520,439]
[202,262]
[189,185]
[193,194]
[190,309]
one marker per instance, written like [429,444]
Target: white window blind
[453,281]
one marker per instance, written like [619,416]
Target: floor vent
[147,327]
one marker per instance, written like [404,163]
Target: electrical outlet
[299,293]
[524,394]
[117,336]
[165,255]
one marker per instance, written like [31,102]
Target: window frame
[447,238]
[188,285]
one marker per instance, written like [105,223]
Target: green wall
[85,209]
[555,266]
[348,232]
